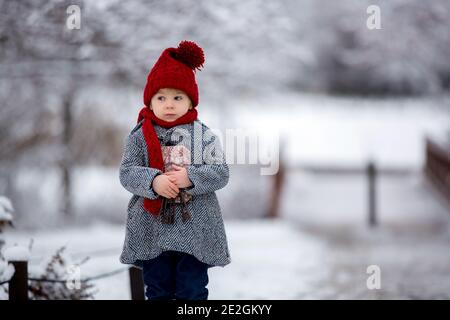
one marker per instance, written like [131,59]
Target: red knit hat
[175,69]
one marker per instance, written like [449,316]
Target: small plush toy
[180,156]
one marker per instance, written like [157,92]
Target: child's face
[170,104]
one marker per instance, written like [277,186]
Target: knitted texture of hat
[176,68]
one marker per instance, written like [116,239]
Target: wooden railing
[370,170]
[437,166]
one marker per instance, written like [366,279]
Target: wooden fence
[437,169]
[370,170]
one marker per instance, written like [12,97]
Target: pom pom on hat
[175,69]
[190,54]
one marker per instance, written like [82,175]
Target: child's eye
[178,98]
[161,98]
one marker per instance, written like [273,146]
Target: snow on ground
[413,265]
[410,244]
[270,260]
[320,249]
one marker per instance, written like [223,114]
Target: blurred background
[363,116]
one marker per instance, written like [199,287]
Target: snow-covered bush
[6,210]
[59,267]
[6,271]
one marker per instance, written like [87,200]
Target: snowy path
[410,245]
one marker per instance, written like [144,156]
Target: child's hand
[180,176]
[165,186]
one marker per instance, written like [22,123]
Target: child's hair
[176,68]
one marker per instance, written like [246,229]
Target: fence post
[18,285]
[437,167]
[371,179]
[136,284]
[276,190]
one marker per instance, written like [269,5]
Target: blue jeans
[175,275]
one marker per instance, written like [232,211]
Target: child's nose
[169,105]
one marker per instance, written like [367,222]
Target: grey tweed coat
[204,234]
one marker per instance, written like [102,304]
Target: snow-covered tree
[44,65]
[408,55]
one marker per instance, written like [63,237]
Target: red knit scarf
[154,147]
